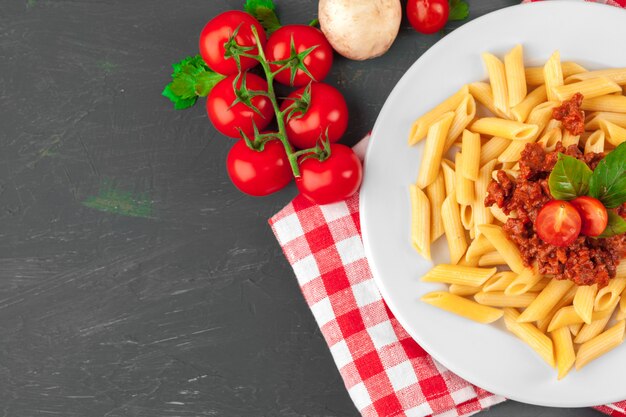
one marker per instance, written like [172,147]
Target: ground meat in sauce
[570,114]
[586,261]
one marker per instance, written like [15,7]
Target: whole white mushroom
[360,29]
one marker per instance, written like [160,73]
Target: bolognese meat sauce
[587,260]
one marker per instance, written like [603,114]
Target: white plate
[485,355]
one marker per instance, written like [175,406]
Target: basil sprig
[572,178]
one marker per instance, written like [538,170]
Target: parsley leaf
[569,178]
[191,79]
[459,10]
[616,225]
[265,12]
[608,182]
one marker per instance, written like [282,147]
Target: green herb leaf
[191,79]
[459,10]
[616,225]
[265,12]
[608,182]
[569,178]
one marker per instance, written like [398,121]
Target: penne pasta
[482,214]
[568,139]
[564,317]
[436,193]
[478,247]
[459,274]
[534,75]
[498,214]
[539,116]
[526,280]
[463,116]
[499,281]
[543,283]
[508,249]
[593,122]
[464,187]
[497,79]
[546,300]
[575,328]
[591,330]
[463,290]
[500,299]
[589,88]
[492,149]
[595,142]
[530,334]
[455,234]
[550,139]
[607,296]
[563,351]
[483,94]
[542,324]
[467,216]
[553,75]
[617,75]
[433,151]
[420,221]
[613,133]
[508,129]
[515,76]
[462,307]
[471,153]
[609,103]
[420,127]
[491,259]
[449,176]
[600,345]
[521,111]
[584,301]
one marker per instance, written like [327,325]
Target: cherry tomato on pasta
[593,215]
[558,223]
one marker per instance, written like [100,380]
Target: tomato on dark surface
[558,223]
[428,16]
[318,62]
[227,119]
[259,173]
[593,215]
[217,33]
[333,179]
[327,112]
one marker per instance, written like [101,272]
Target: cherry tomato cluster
[309,121]
[561,222]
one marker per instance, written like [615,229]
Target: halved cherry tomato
[229,119]
[259,173]
[428,16]
[317,62]
[216,35]
[558,223]
[334,179]
[327,112]
[593,215]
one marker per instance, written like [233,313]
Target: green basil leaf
[569,178]
[608,182]
[616,225]
[459,10]
[265,12]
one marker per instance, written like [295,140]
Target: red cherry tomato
[318,62]
[334,179]
[593,215]
[326,110]
[229,119]
[558,223]
[428,16]
[259,173]
[218,31]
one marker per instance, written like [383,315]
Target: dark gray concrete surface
[134,279]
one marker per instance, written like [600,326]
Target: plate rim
[386,108]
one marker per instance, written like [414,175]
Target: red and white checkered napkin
[385,371]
